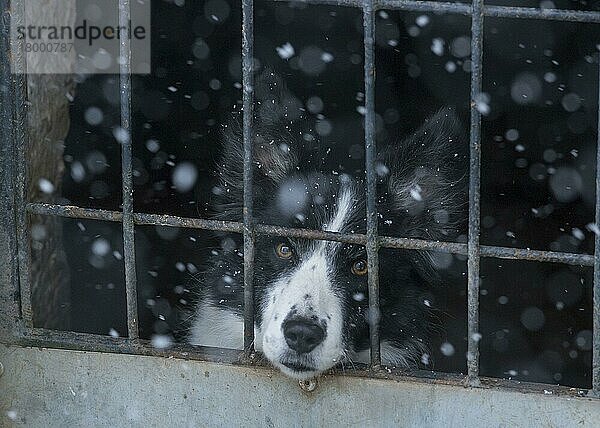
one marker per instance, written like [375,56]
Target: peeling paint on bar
[71,211]
[192,223]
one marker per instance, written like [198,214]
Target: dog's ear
[422,180]
[276,151]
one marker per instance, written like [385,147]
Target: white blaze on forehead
[310,278]
[343,210]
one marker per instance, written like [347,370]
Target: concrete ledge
[45,387]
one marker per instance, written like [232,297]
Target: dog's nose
[302,335]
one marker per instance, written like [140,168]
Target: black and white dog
[311,296]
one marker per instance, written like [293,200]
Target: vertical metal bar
[10,316]
[125,139]
[249,236]
[474,195]
[18,88]
[596,298]
[370,156]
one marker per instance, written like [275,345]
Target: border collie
[311,297]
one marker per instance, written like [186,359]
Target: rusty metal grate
[129,219]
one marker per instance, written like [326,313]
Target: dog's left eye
[359,267]
[284,251]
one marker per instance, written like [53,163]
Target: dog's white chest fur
[218,328]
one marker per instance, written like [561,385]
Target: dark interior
[540,80]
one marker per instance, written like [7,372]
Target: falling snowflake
[286,51]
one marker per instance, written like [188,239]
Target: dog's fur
[420,195]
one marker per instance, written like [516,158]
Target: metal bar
[10,316]
[596,293]
[536,255]
[466,9]
[18,83]
[424,6]
[192,223]
[249,236]
[372,244]
[543,14]
[474,196]
[344,3]
[70,211]
[127,171]
[99,343]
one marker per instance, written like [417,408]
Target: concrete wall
[46,388]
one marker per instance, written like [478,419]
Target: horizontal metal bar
[348,238]
[425,6]
[122,345]
[465,9]
[186,222]
[537,255]
[71,211]
[489,251]
[74,341]
[591,17]
[346,3]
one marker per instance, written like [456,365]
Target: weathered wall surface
[42,388]
[48,124]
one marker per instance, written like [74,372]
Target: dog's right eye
[284,251]
[360,267]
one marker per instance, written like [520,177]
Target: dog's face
[311,297]
[307,289]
